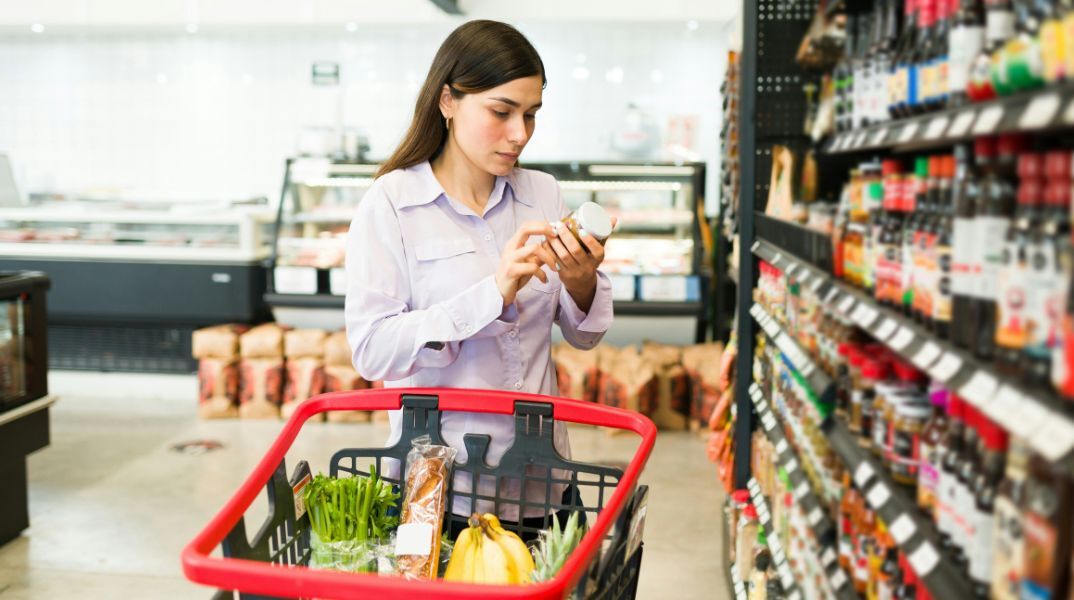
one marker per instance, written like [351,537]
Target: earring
[447,122]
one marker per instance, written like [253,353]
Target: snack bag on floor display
[218,388]
[219,341]
[261,389]
[305,378]
[428,472]
[300,343]
[263,341]
[630,382]
[702,363]
[672,410]
[340,376]
[577,372]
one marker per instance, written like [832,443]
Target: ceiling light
[352,26]
[580,73]
[37,28]
[692,25]
[614,75]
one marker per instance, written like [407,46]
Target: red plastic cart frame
[299,582]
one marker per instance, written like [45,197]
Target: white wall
[216,113]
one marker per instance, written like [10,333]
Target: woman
[455,274]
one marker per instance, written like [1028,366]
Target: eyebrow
[511,102]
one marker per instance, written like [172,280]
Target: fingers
[528,229]
[572,244]
[563,255]
[596,250]
[546,255]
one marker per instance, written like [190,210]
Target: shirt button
[488,238]
[512,335]
[518,385]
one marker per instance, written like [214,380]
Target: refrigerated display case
[656,259]
[133,279]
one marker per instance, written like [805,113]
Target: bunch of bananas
[485,552]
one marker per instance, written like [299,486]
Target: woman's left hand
[577,263]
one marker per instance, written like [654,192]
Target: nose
[517,132]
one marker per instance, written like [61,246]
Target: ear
[447,102]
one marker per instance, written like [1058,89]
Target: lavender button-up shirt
[423,309]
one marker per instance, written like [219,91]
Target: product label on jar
[962,517]
[1012,298]
[941,309]
[945,502]
[965,42]
[963,254]
[889,274]
[925,272]
[905,455]
[1008,543]
[1046,301]
[979,550]
[991,228]
[1041,540]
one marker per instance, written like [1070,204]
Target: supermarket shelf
[631,309]
[1050,109]
[737,585]
[915,535]
[1035,414]
[824,529]
[821,384]
[326,216]
[809,244]
[131,252]
[786,576]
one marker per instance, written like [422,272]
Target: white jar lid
[595,220]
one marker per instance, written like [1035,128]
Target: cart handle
[199,566]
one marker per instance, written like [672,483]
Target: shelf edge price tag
[828,557]
[791,466]
[936,127]
[908,132]
[962,124]
[804,277]
[832,295]
[782,446]
[878,137]
[816,285]
[886,329]
[924,559]
[1040,111]
[926,355]
[815,516]
[987,120]
[839,579]
[979,389]
[863,474]
[878,496]
[337,281]
[1004,405]
[946,368]
[902,529]
[864,315]
[902,339]
[1057,439]
[846,304]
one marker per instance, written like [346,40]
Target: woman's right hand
[520,262]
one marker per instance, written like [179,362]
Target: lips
[508,155]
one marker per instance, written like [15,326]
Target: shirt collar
[428,188]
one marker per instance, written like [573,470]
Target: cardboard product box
[218,388]
[218,341]
[263,341]
[261,387]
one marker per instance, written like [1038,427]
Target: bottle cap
[856,357]
[750,512]
[740,496]
[935,166]
[949,164]
[846,348]
[891,167]
[909,373]
[921,166]
[1030,165]
[995,437]
[1010,144]
[594,219]
[984,146]
[876,369]
[1057,164]
[1030,193]
[1061,193]
[955,406]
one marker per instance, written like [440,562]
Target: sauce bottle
[966,470]
[982,516]
[889,263]
[1047,532]
[995,212]
[847,518]
[1053,46]
[966,269]
[999,27]
[951,450]
[1012,321]
[874,369]
[925,246]
[965,42]
[932,451]
[1008,525]
[1022,53]
[917,193]
[943,232]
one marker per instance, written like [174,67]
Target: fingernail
[582,233]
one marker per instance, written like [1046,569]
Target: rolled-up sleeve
[388,340]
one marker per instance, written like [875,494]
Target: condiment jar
[591,218]
[910,420]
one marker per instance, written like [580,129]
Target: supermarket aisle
[112,505]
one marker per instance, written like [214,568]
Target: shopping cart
[272,563]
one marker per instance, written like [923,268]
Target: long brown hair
[477,56]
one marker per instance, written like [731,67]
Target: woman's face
[492,127]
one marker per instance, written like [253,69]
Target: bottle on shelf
[849,506]
[982,517]
[927,55]
[1045,283]
[924,249]
[940,62]
[915,203]
[859,85]
[966,249]
[841,78]
[889,252]
[965,472]
[999,27]
[1053,45]
[885,60]
[932,451]
[1008,525]
[964,43]
[942,233]
[995,212]
[1012,320]
[901,78]
[1047,531]
[1021,56]
[951,451]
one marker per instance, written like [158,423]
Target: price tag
[414,539]
[878,137]
[790,269]
[804,277]
[863,474]
[927,355]
[1035,416]
[878,496]
[832,295]
[924,559]
[946,368]
[886,328]
[816,285]
[1040,111]
[902,339]
[846,304]
[1005,405]
[769,422]
[988,119]
[782,446]
[865,315]
[962,124]
[860,140]
[815,516]
[1057,438]
[936,127]
[755,246]
[791,466]
[755,311]
[775,259]
[902,528]
[908,132]
[807,369]
[763,514]
[979,389]
[786,577]
[801,491]
[839,580]
[828,557]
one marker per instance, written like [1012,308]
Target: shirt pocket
[445,267]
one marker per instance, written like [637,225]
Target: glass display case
[655,258]
[23,348]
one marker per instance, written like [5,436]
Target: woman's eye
[500,114]
[530,117]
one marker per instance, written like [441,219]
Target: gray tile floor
[112,506]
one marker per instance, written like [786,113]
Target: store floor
[112,504]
